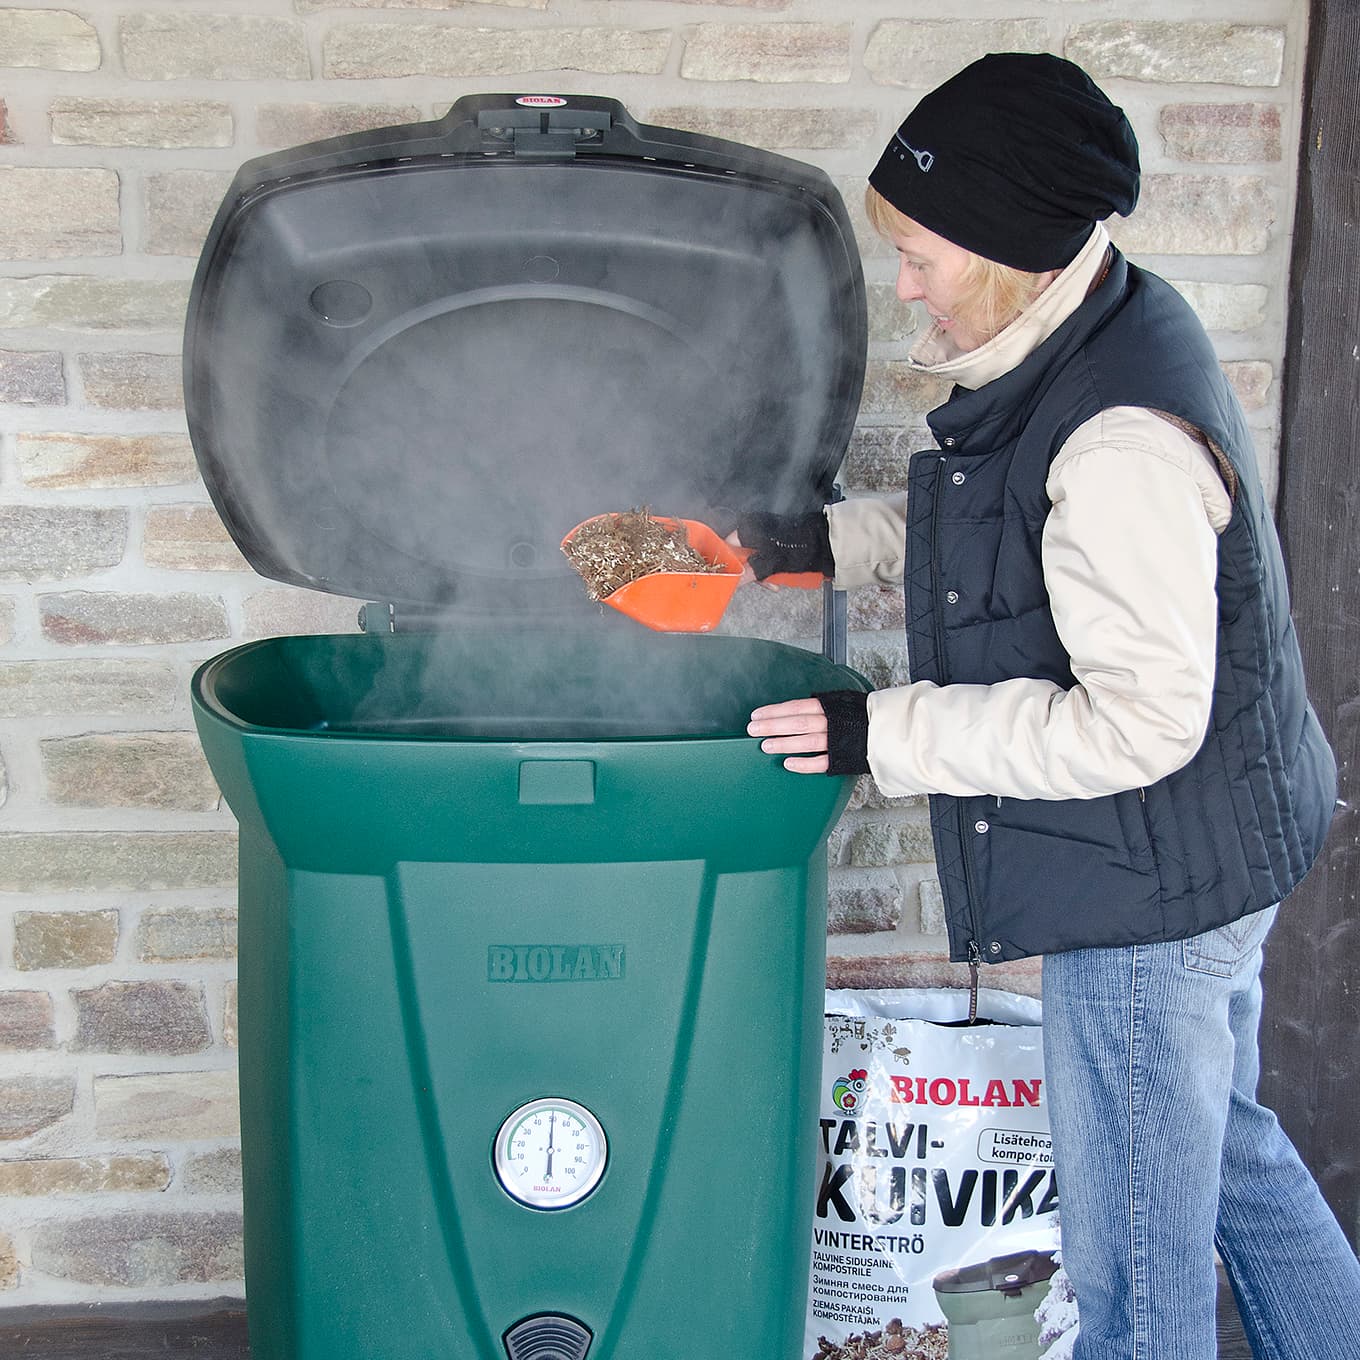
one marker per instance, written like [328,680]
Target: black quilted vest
[1237,828]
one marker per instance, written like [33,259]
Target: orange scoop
[690,601]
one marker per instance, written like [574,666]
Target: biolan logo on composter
[541,101]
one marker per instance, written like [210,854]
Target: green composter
[990,1305]
[531,933]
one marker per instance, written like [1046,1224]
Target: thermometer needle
[547,1175]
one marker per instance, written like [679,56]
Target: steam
[578,684]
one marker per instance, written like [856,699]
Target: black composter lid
[416,357]
[1008,1275]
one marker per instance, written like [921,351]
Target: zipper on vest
[969,879]
[1147,831]
[1147,821]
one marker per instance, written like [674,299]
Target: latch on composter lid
[543,125]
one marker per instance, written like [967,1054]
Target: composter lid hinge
[377,618]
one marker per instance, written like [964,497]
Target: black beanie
[1014,158]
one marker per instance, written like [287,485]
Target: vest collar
[978,421]
[936,354]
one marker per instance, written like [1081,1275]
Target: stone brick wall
[121,122]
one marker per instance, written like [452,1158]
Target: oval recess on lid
[341,302]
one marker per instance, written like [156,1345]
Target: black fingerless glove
[787,543]
[847,730]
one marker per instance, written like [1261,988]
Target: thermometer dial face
[550,1153]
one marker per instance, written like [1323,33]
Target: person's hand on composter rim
[825,734]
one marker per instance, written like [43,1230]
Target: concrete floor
[217,1331]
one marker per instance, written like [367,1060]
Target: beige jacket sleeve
[1130,560]
[868,541]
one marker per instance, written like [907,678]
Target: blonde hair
[993,294]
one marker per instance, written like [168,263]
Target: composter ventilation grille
[549,1336]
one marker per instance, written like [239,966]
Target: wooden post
[1311,1034]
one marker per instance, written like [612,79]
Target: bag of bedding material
[936,1211]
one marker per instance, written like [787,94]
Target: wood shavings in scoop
[612,550]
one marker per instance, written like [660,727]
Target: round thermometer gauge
[550,1153]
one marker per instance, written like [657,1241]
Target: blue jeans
[1162,1153]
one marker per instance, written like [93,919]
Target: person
[1107,705]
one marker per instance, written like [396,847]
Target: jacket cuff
[847,730]
[787,543]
